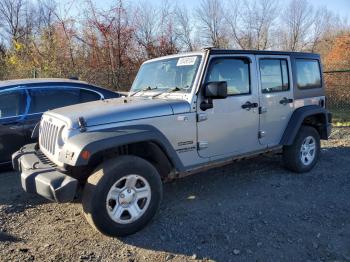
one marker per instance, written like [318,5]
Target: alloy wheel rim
[128,199]
[308,150]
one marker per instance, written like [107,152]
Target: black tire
[100,182]
[292,155]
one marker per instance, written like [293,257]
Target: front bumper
[39,176]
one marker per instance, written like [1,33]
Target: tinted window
[87,96]
[43,99]
[308,73]
[12,103]
[274,75]
[234,71]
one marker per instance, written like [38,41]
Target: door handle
[248,105]
[286,100]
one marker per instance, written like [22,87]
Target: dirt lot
[251,210]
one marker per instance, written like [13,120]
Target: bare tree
[46,11]
[113,37]
[167,38]
[297,20]
[251,23]
[17,20]
[11,15]
[155,29]
[66,23]
[321,26]
[45,28]
[210,15]
[107,45]
[184,28]
[145,24]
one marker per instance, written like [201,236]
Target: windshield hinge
[202,117]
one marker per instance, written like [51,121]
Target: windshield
[169,73]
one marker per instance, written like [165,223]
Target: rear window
[274,75]
[308,73]
[43,99]
[12,103]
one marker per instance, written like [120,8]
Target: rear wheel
[122,195]
[303,154]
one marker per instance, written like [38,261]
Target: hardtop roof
[220,51]
[260,52]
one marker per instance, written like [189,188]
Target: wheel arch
[312,115]
[144,141]
[148,150]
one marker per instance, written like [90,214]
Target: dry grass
[341,117]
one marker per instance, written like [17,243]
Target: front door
[276,97]
[231,126]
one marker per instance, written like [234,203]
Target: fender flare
[297,119]
[96,141]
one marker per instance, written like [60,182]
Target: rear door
[13,105]
[276,97]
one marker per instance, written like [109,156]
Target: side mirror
[215,90]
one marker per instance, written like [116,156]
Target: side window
[87,96]
[43,99]
[12,103]
[274,75]
[308,73]
[235,71]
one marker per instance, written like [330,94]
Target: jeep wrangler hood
[118,110]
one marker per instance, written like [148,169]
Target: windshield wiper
[143,89]
[170,90]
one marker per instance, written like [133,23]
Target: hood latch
[82,124]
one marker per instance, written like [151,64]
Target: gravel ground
[253,210]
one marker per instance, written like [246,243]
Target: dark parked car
[22,103]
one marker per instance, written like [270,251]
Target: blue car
[22,102]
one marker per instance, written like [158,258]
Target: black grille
[44,159]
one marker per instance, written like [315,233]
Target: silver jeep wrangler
[184,113]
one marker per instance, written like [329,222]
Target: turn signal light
[85,155]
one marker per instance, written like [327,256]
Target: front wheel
[303,154]
[122,195]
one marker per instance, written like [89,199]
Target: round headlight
[62,136]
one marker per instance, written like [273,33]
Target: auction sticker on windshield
[186,61]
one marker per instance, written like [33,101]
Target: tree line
[106,45]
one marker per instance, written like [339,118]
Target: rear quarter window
[308,73]
[88,95]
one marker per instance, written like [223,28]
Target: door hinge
[262,110]
[202,117]
[261,134]
[202,145]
